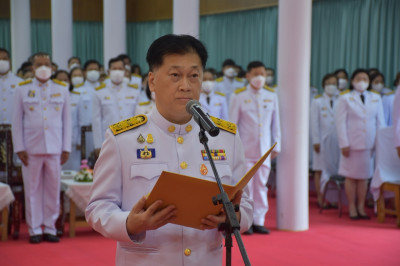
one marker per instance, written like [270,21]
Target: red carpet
[329,241]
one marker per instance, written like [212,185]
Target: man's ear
[150,81]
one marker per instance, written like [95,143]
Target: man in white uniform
[396,119]
[42,140]
[255,110]
[113,102]
[122,176]
[229,82]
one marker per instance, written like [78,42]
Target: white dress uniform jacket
[86,91]
[145,107]
[227,87]
[121,178]
[218,105]
[111,103]
[136,80]
[257,115]
[357,123]
[8,84]
[387,101]
[396,118]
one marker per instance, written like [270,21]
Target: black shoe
[259,229]
[364,217]
[354,217]
[51,238]
[36,239]
[249,232]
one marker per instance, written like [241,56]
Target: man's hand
[398,151]
[346,151]
[212,221]
[23,156]
[64,157]
[316,148]
[140,220]
[274,154]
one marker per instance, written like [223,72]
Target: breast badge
[149,138]
[203,169]
[146,153]
[141,139]
[217,155]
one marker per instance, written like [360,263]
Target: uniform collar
[171,128]
[253,91]
[5,76]
[36,82]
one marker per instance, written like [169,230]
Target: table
[6,197]
[79,196]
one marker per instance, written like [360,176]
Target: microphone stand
[231,224]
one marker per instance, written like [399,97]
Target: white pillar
[20,32]
[61,32]
[186,17]
[294,45]
[114,24]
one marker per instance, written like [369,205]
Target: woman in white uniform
[359,115]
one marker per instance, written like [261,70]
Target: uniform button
[44,108]
[45,118]
[4,109]
[260,125]
[180,140]
[4,89]
[120,108]
[184,165]
[44,98]
[187,252]
[45,128]
[4,99]
[171,129]
[188,128]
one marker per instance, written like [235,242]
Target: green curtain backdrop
[345,34]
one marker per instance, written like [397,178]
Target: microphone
[202,118]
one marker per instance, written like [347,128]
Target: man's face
[175,82]
[92,66]
[257,71]
[119,65]
[39,61]
[4,56]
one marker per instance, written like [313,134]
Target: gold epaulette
[25,82]
[317,96]
[275,86]
[374,91]
[76,92]
[220,93]
[102,86]
[268,88]
[128,124]
[136,75]
[107,77]
[224,125]
[344,92]
[239,79]
[79,85]
[219,79]
[135,86]
[144,103]
[237,91]
[59,82]
[390,93]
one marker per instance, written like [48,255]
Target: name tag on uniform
[129,97]
[267,101]
[217,104]
[324,108]
[55,95]
[73,104]
[217,155]
[107,98]
[374,101]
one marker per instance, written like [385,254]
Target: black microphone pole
[231,224]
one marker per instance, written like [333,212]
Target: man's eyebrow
[178,67]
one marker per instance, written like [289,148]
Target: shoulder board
[224,125]
[128,124]
[374,91]
[276,85]
[318,96]
[237,91]
[344,92]
[390,93]
[135,86]
[220,79]
[239,79]
[79,85]
[59,82]
[136,75]
[25,82]
[107,77]
[144,103]
[220,93]
[75,92]
[102,86]
[269,89]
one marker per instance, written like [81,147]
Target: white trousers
[258,192]
[42,192]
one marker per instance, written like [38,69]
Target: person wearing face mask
[229,81]
[269,79]
[359,115]
[145,107]
[343,79]
[214,102]
[396,114]
[378,86]
[135,78]
[8,83]
[42,140]
[73,62]
[255,110]
[324,138]
[112,102]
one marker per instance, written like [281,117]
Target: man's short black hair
[89,62]
[6,51]
[337,71]
[328,76]
[355,73]
[40,54]
[254,64]
[74,57]
[174,44]
[228,62]
[115,59]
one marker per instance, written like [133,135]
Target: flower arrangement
[85,174]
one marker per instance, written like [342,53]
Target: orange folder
[193,196]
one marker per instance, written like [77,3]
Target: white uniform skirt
[359,164]
[317,161]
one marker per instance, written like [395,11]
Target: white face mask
[360,86]
[43,73]
[258,82]
[208,86]
[76,80]
[128,67]
[269,80]
[378,87]
[331,90]
[4,66]
[230,72]
[342,84]
[73,66]
[93,75]
[117,76]
[126,80]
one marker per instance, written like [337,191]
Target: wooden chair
[338,182]
[382,211]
